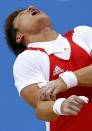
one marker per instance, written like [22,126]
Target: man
[51,72]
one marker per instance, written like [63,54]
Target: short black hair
[10,34]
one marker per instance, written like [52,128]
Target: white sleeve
[26,70]
[83,36]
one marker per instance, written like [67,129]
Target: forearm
[66,80]
[50,109]
[60,107]
[84,76]
[44,110]
[81,77]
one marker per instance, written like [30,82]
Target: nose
[30,8]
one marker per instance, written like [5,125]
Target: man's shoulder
[24,57]
[26,54]
[82,27]
[29,57]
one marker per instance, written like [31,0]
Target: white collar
[60,47]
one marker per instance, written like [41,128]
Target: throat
[43,36]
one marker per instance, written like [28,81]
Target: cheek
[25,24]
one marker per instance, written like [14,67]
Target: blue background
[15,114]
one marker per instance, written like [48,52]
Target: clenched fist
[72,105]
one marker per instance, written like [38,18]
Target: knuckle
[48,93]
[76,113]
[73,96]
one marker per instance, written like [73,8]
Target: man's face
[31,21]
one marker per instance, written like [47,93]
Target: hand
[52,89]
[72,105]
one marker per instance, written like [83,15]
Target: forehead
[21,12]
[16,19]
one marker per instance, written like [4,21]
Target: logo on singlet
[57,70]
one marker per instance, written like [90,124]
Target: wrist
[57,106]
[69,79]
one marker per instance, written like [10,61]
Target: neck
[45,35]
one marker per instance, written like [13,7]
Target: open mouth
[34,11]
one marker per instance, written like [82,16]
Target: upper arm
[31,94]
[27,70]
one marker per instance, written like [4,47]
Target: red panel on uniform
[79,58]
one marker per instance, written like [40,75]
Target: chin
[40,26]
[42,16]
[43,19]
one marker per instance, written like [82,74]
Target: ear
[19,37]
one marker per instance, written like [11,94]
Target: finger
[74,108]
[42,94]
[42,97]
[71,112]
[54,94]
[49,91]
[84,98]
[48,95]
[79,100]
[75,103]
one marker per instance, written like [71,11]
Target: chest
[79,58]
